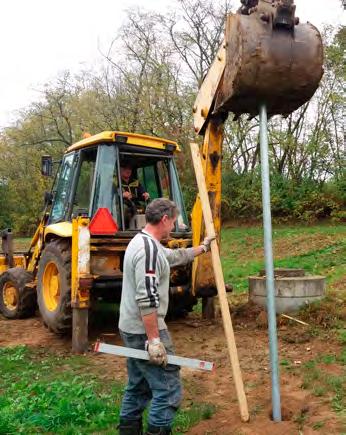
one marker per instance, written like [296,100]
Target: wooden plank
[207,91]
[220,283]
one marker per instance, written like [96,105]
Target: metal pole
[269,265]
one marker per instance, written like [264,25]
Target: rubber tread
[60,320]
[26,295]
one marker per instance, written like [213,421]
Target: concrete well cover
[291,293]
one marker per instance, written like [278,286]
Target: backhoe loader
[75,256]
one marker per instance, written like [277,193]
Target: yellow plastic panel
[61,229]
[132,139]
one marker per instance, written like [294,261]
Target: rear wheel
[54,286]
[17,300]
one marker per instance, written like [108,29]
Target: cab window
[155,179]
[62,192]
[82,199]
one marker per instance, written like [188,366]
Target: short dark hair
[158,208]
[126,164]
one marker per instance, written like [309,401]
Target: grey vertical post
[80,330]
[269,265]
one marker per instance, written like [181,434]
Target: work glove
[157,352]
[206,243]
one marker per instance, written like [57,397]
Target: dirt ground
[203,339]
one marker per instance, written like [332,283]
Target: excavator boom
[267,57]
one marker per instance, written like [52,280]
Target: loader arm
[203,282]
[211,128]
[205,99]
[267,56]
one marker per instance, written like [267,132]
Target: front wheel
[17,299]
[54,286]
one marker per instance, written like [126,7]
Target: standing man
[144,304]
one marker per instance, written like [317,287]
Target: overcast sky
[40,38]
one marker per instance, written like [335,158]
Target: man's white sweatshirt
[146,273]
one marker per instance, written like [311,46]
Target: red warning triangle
[103,224]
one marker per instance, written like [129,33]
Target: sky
[41,38]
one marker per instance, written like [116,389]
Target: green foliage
[305,201]
[5,217]
[148,84]
[241,196]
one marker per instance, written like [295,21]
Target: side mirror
[47,166]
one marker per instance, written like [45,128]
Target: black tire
[56,311]
[23,303]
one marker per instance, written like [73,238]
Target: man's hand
[145,196]
[157,352]
[207,242]
[127,195]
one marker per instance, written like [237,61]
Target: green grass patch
[43,394]
[318,425]
[241,248]
[46,393]
[325,384]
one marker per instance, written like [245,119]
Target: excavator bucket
[270,58]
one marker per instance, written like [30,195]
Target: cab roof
[140,140]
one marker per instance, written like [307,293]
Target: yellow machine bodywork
[140,140]
[19,261]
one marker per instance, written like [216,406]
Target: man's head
[161,215]
[125,171]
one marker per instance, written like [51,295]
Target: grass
[323,383]
[242,252]
[46,393]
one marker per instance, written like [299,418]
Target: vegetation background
[147,84]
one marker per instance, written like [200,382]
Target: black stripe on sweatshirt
[150,294]
[150,285]
[147,254]
[154,255]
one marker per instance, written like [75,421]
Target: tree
[147,84]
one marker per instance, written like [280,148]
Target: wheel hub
[10,296]
[51,286]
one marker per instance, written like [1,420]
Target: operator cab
[91,177]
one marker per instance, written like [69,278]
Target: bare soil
[202,339]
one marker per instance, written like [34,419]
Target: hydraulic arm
[268,57]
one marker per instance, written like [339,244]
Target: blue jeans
[148,382]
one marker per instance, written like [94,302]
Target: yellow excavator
[75,257]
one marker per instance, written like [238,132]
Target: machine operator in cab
[131,187]
[132,190]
